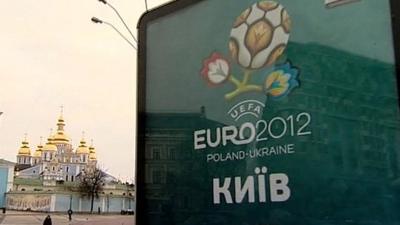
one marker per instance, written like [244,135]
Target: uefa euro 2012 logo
[257,44]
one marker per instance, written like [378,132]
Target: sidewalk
[31,218]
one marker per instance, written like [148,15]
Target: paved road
[15,218]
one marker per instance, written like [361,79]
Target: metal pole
[108,203]
[120,17]
[130,43]
[70,202]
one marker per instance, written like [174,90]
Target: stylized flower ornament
[258,39]
[280,83]
[216,69]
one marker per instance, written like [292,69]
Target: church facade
[47,178]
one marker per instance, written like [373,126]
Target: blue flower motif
[281,82]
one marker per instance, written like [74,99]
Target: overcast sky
[52,55]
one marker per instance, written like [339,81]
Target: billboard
[268,112]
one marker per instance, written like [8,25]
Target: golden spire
[40,146]
[91,144]
[24,150]
[83,142]
[60,137]
[38,152]
[83,149]
[60,122]
[92,150]
[50,138]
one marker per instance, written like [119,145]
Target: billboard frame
[170,8]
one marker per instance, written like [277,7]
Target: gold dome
[92,154]
[91,148]
[82,149]
[24,150]
[38,152]
[60,137]
[50,146]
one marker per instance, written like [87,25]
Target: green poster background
[345,172]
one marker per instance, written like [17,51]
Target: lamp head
[96,20]
[103,1]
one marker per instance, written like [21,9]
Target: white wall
[10,180]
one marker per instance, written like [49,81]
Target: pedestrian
[47,221]
[70,214]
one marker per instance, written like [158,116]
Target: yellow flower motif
[277,83]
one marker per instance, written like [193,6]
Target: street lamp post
[97,20]
[70,202]
[120,17]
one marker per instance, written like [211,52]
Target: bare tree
[91,184]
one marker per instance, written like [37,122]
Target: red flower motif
[216,69]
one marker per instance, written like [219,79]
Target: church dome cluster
[53,142]
[57,159]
